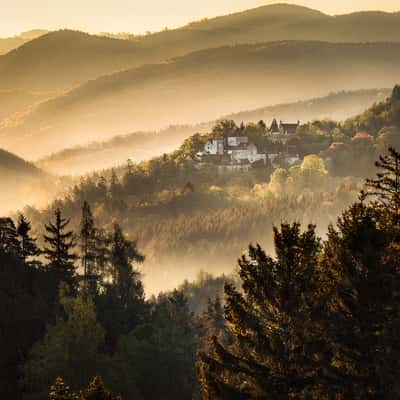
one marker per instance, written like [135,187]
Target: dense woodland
[300,316]
[317,320]
[134,268]
[187,218]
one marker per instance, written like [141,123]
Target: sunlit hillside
[139,146]
[11,43]
[197,87]
[24,184]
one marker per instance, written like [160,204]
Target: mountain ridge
[268,23]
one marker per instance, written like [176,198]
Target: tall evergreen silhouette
[88,248]
[386,186]
[27,242]
[58,250]
[9,242]
[272,323]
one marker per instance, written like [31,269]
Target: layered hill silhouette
[17,101]
[11,43]
[62,59]
[197,87]
[22,182]
[139,146]
[65,58]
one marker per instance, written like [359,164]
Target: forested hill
[277,22]
[200,86]
[11,43]
[72,57]
[11,166]
[61,59]
[188,216]
[139,146]
[22,184]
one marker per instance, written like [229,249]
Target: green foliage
[362,274]
[25,305]
[27,243]
[160,355]
[97,391]
[272,323]
[58,251]
[386,186]
[60,391]
[70,348]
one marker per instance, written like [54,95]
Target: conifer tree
[386,185]
[361,263]
[27,242]
[97,391]
[121,306]
[70,348]
[58,251]
[275,338]
[213,321]
[9,242]
[126,278]
[60,391]
[88,248]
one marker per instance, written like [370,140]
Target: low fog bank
[140,146]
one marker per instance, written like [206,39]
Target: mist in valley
[158,191]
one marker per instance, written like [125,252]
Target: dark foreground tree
[9,242]
[58,251]
[88,249]
[28,245]
[275,339]
[386,186]
[95,391]
[70,348]
[362,265]
[121,305]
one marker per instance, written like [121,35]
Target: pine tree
[276,342]
[88,248]
[123,253]
[28,244]
[97,391]
[121,305]
[9,242]
[386,185]
[60,391]
[396,93]
[361,263]
[70,348]
[214,324]
[59,249]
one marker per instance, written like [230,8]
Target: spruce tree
[60,391]
[97,391]
[9,242]
[123,254]
[386,186]
[27,242]
[121,305]
[58,251]
[88,248]
[276,342]
[361,263]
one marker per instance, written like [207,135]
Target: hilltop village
[234,150]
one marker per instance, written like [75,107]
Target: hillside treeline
[317,320]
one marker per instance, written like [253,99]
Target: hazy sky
[138,16]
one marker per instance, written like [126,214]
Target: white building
[249,154]
[237,149]
[214,146]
